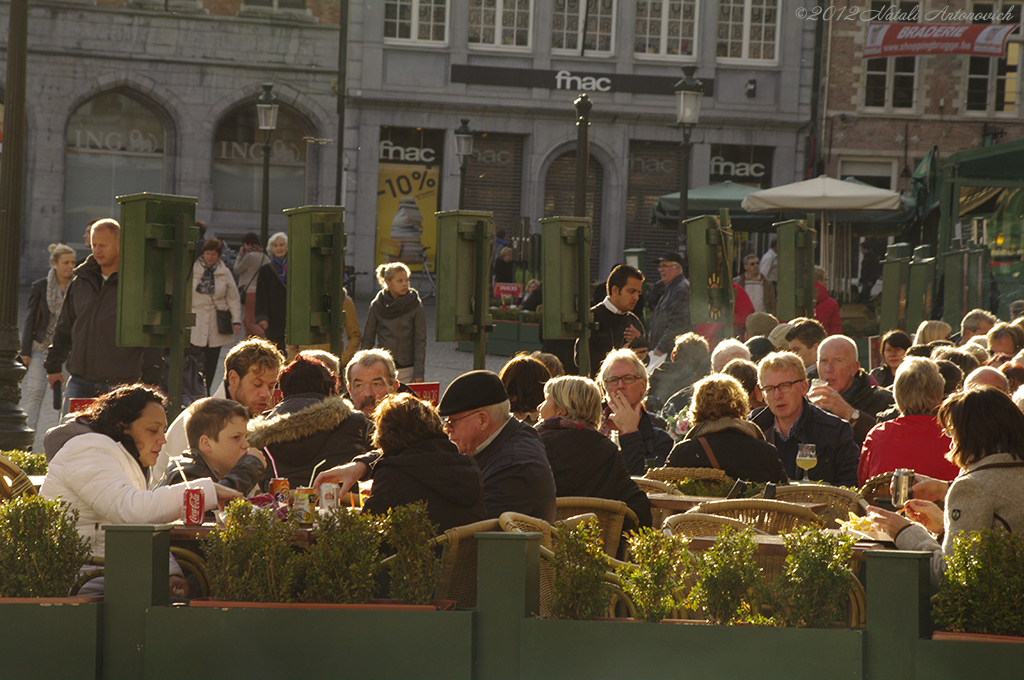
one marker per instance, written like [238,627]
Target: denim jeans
[37,400]
[78,387]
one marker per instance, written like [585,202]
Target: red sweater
[826,310]
[914,442]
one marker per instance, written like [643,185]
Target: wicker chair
[841,502]
[658,515]
[695,524]
[13,481]
[876,487]
[193,564]
[458,563]
[611,515]
[672,474]
[771,516]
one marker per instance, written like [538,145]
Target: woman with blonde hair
[44,303]
[396,322]
[721,437]
[930,331]
[583,461]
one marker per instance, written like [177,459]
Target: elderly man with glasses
[642,436]
[790,420]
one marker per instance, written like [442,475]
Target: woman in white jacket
[213,290]
[102,474]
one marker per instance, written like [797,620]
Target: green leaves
[41,551]
[983,588]
[416,569]
[578,590]
[726,575]
[652,581]
[813,591]
[30,463]
[342,564]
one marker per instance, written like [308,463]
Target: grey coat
[671,317]
[400,327]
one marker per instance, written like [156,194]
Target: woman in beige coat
[213,290]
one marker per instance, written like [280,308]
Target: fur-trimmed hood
[299,416]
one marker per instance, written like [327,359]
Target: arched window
[238,162]
[560,196]
[115,146]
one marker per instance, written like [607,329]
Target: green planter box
[626,649]
[307,643]
[509,338]
[961,659]
[50,640]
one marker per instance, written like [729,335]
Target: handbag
[224,326]
[244,290]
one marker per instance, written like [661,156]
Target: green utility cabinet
[464,243]
[709,242]
[796,242]
[565,270]
[967,281]
[921,287]
[316,275]
[895,287]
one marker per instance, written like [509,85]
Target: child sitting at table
[216,431]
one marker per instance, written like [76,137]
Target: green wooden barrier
[316,276]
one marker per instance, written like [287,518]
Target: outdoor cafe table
[683,503]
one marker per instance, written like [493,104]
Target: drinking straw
[177,462]
[316,467]
[272,462]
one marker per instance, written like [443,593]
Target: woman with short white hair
[272,292]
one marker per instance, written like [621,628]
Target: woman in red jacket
[826,310]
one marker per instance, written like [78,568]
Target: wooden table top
[683,503]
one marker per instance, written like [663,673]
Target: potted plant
[981,593]
[653,581]
[415,570]
[726,575]
[41,551]
[342,562]
[30,463]
[251,559]
[579,590]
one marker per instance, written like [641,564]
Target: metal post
[583,298]
[462,182]
[183,257]
[583,106]
[265,213]
[342,75]
[14,432]
[483,295]
[684,181]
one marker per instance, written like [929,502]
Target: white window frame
[497,46]
[890,75]
[415,27]
[273,10]
[869,166]
[581,34]
[745,58]
[993,70]
[664,38]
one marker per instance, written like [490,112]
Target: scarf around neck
[280,268]
[206,284]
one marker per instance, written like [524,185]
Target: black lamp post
[689,92]
[266,111]
[463,149]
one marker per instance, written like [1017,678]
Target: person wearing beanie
[510,454]
[760,324]
[671,316]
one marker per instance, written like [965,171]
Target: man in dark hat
[514,466]
[671,317]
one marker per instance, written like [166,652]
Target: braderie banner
[908,40]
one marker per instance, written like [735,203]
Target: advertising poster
[406,203]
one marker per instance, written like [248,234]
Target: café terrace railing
[135,634]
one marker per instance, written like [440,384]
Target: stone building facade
[160,96]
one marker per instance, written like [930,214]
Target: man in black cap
[514,466]
[671,317]
[511,456]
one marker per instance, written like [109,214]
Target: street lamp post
[689,92]
[266,111]
[463,149]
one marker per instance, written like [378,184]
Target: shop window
[748,30]
[416,20]
[500,23]
[993,83]
[238,162]
[890,82]
[583,27]
[115,146]
[665,29]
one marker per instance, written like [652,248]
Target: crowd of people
[664,393]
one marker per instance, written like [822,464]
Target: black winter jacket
[869,400]
[243,477]
[434,471]
[271,303]
[586,463]
[838,453]
[36,319]
[738,454]
[516,474]
[306,428]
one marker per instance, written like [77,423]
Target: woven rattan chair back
[771,516]
[696,524]
[658,515]
[458,563]
[876,487]
[672,474]
[610,515]
[515,522]
[13,481]
[841,502]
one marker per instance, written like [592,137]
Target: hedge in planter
[415,570]
[983,588]
[726,575]
[579,590]
[41,551]
[342,563]
[660,564]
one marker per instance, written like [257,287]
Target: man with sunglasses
[790,420]
[641,435]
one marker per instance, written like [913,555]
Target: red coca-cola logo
[193,506]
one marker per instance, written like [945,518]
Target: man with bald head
[986,376]
[848,392]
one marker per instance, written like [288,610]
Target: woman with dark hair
[895,344]
[419,463]
[987,430]
[311,424]
[583,461]
[524,378]
[722,437]
[102,474]
[214,294]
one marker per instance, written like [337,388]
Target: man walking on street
[86,329]
[671,317]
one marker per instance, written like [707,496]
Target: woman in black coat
[419,463]
[583,461]
[271,292]
[721,436]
